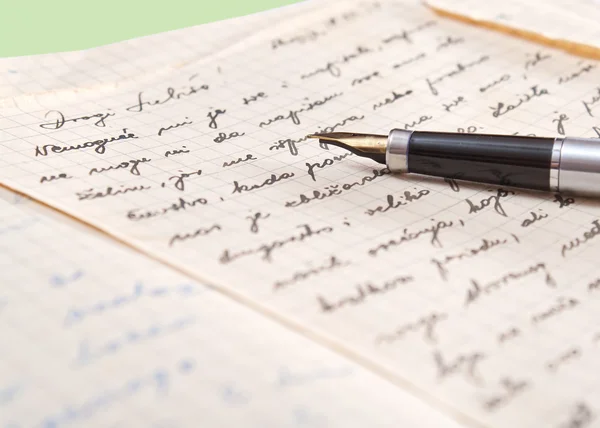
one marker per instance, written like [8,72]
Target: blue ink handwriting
[159,380]
[87,355]
[57,280]
[139,291]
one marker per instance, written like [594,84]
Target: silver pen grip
[575,167]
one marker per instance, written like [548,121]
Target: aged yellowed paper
[482,301]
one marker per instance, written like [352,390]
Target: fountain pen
[567,165]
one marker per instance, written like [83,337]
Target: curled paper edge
[569,46]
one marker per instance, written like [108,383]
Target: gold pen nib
[366,145]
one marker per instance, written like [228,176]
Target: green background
[29,27]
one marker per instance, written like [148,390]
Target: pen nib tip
[365,145]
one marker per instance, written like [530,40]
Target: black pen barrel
[506,160]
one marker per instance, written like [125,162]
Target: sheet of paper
[94,334]
[569,24]
[482,301]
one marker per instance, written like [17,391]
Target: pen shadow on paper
[456,186]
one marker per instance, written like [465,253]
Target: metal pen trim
[579,166]
[555,164]
[396,153]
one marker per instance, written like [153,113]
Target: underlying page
[94,334]
[568,24]
[481,300]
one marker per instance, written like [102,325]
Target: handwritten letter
[483,298]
